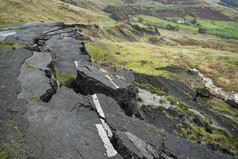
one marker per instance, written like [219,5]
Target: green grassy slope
[94,4]
[16,11]
[214,27]
[213,56]
[88,11]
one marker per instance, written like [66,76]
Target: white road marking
[107,128]
[107,144]
[109,78]
[76,64]
[102,128]
[98,106]
[144,148]
[112,81]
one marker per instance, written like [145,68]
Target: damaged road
[96,115]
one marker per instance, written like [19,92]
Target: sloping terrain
[58,103]
[152,54]
[17,11]
[95,115]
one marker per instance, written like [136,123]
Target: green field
[227,29]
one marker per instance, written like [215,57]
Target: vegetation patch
[214,57]
[130,57]
[151,89]
[64,77]
[210,135]
[20,137]
[11,46]
[15,11]
[30,65]
[33,96]
[4,153]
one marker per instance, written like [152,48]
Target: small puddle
[153,99]
[149,98]
[210,85]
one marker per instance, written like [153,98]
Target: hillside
[118,79]
[92,11]
[16,11]
[169,9]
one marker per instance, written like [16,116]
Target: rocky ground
[58,103]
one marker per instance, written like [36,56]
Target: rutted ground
[57,103]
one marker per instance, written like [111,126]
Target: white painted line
[98,106]
[144,148]
[107,144]
[107,128]
[109,78]
[76,64]
[112,81]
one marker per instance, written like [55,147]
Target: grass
[30,65]
[220,108]
[193,51]
[214,27]
[64,77]
[20,137]
[151,89]
[12,46]
[33,96]
[5,45]
[216,58]
[167,114]
[131,56]
[4,153]
[18,11]
[218,136]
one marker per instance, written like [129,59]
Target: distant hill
[103,11]
[166,9]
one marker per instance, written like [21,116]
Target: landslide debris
[97,116]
